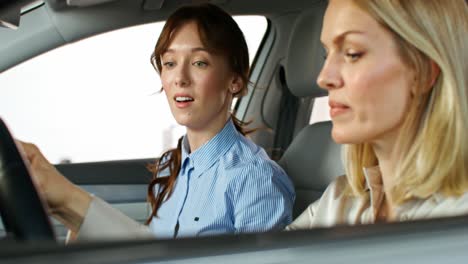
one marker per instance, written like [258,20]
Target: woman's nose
[182,78]
[330,77]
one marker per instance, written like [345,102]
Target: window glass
[320,111]
[98,99]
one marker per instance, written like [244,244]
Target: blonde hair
[432,144]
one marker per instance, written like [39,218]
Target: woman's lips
[337,109]
[183,100]
[183,104]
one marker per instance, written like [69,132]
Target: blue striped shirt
[228,185]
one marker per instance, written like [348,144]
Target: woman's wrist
[73,211]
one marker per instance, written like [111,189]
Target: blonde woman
[396,73]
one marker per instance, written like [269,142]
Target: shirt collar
[408,209]
[373,178]
[374,184]
[206,155]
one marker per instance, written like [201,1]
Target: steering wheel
[21,208]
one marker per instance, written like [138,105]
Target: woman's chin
[189,123]
[343,137]
[183,119]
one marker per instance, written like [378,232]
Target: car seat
[312,160]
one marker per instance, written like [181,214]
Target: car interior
[280,101]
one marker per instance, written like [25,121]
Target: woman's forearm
[73,211]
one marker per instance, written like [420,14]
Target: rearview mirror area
[10,16]
[11,11]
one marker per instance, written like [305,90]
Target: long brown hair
[220,34]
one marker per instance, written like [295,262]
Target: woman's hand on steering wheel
[67,202]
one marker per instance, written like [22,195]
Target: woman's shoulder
[338,194]
[329,209]
[247,162]
[246,154]
[435,206]
[443,205]
[337,187]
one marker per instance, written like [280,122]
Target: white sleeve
[305,219]
[331,209]
[103,222]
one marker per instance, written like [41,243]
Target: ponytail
[169,160]
[241,126]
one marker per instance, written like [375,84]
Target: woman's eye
[200,64]
[354,56]
[168,64]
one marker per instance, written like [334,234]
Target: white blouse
[336,207]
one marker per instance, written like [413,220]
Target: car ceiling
[54,23]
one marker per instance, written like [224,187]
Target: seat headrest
[305,53]
[313,160]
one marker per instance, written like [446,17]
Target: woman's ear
[431,80]
[236,85]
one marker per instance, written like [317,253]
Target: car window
[320,110]
[98,99]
